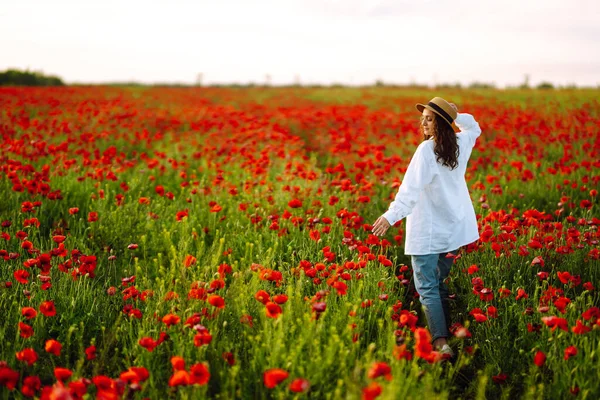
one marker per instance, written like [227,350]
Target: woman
[439,213]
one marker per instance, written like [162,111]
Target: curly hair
[446,144]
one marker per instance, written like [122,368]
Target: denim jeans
[429,272]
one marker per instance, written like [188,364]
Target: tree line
[14,77]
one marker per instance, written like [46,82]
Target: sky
[351,42]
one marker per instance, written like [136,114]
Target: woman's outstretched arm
[420,172]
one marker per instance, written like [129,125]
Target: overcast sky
[312,41]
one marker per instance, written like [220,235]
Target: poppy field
[184,243]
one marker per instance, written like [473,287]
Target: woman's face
[428,122]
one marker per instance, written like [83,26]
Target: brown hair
[446,144]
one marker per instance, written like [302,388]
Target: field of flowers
[215,243]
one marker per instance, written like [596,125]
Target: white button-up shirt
[435,200]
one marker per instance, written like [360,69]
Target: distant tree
[525,84]
[457,85]
[545,85]
[13,77]
[482,85]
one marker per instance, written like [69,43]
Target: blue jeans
[429,272]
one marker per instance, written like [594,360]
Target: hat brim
[421,107]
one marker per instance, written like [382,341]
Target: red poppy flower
[178,363]
[299,385]
[586,204]
[53,347]
[295,203]
[267,274]
[229,357]
[274,377]
[224,268]
[103,383]
[189,260]
[407,319]
[280,298]
[372,391]
[25,331]
[28,312]
[592,312]
[553,322]
[472,269]
[486,294]
[90,352]
[181,215]
[479,317]
[423,347]
[62,374]
[92,216]
[500,378]
[47,308]
[203,337]
[135,374]
[262,296]
[27,355]
[564,276]
[539,359]
[521,294]
[460,331]
[247,320]
[314,235]
[31,385]
[580,328]
[400,352]
[570,352]
[542,275]
[217,284]
[523,251]
[561,304]
[171,319]
[148,343]
[180,378]
[21,276]
[492,312]
[273,310]
[199,374]
[380,369]
[340,287]
[8,377]
[534,244]
[216,301]
[538,261]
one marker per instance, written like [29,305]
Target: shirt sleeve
[421,171]
[468,126]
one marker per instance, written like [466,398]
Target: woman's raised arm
[468,126]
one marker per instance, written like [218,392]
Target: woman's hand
[380,226]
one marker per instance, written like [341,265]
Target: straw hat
[441,107]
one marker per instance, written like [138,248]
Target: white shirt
[435,200]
